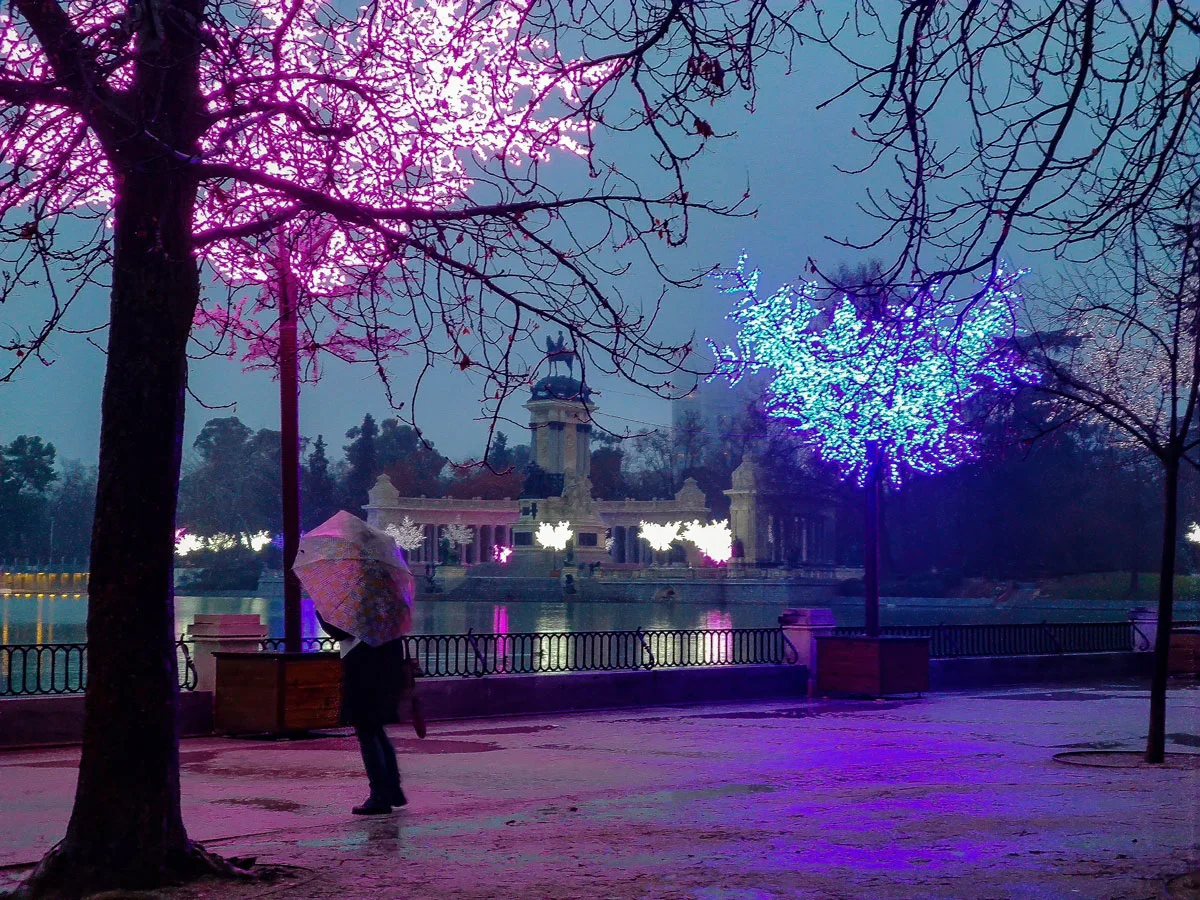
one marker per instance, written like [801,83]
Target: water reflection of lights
[717,618]
[19,616]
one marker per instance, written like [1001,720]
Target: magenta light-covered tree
[880,388]
[309,275]
[376,168]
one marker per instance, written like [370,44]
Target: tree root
[60,877]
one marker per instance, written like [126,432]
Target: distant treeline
[1065,502]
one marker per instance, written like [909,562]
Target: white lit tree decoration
[660,535]
[713,539]
[186,542]
[877,393]
[553,537]
[458,535]
[407,534]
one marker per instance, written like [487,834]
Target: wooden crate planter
[1183,656]
[875,666]
[277,693]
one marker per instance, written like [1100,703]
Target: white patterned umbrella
[357,578]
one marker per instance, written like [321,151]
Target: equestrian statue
[557,352]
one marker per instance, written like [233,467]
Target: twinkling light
[500,553]
[1193,533]
[898,383]
[660,535]
[713,539]
[553,537]
[407,534]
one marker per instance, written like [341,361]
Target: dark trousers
[379,759]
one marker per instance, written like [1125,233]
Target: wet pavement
[956,795]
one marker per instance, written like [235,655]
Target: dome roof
[561,387]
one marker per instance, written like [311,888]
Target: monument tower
[558,487]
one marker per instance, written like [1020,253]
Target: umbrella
[357,578]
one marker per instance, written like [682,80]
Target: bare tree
[1135,366]
[295,151]
[1070,127]
[1059,122]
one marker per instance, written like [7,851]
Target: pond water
[30,620]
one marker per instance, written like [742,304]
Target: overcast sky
[786,151]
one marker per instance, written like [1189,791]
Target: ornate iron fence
[596,651]
[308,644]
[529,653]
[948,641]
[40,669]
[30,669]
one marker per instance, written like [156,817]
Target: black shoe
[372,807]
[398,798]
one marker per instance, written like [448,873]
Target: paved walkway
[951,796]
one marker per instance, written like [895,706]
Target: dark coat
[374,681]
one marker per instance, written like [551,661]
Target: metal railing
[948,641]
[40,669]
[32,669]
[307,645]
[530,653]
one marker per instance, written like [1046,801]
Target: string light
[186,543]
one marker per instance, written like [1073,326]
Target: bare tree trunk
[126,829]
[1156,737]
[289,436]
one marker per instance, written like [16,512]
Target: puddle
[1067,696]
[514,729]
[272,804]
[803,712]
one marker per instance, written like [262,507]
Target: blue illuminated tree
[879,388]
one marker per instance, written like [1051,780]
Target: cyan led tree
[879,389]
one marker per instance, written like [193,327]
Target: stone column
[802,627]
[1144,620]
[212,633]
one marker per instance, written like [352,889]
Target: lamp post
[871,555]
[289,445]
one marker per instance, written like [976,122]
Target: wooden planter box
[277,693]
[876,666]
[1183,656]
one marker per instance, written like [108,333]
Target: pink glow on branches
[325,139]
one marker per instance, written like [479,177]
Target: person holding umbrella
[362,593]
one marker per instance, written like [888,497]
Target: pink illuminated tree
[380,170]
